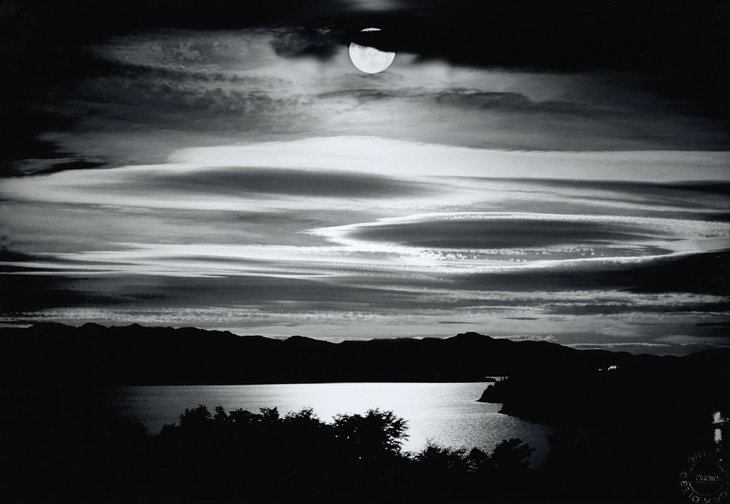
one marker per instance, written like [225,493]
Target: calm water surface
[445,413]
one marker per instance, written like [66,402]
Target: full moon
[369,59]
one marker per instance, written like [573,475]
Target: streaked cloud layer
[237,182]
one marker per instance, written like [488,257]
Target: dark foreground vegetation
[74,451]
[87,455]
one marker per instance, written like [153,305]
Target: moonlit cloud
[177,89]
[253,180]
[375,155]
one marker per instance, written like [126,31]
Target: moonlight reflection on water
[445,413]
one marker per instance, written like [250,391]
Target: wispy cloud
[254,180]
[167,90]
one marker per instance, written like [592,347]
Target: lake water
[445,413]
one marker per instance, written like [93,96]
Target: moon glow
[369,59]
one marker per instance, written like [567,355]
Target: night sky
[554,171]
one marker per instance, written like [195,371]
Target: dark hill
[156,355]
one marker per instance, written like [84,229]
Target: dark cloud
[724,323]
[187,102]
[709,196]
[503,233]
[697,273]
[46,167]
[142,292]
[679,190]
[595,123]
[679,47]
[293,43]
[477,99]
[517,102]
[240,181]
[613,308]
[23,293]
[675,190]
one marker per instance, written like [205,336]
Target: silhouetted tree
[375,435]
[194,418]
[439,459]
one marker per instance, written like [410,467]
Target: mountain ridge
[138,354]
